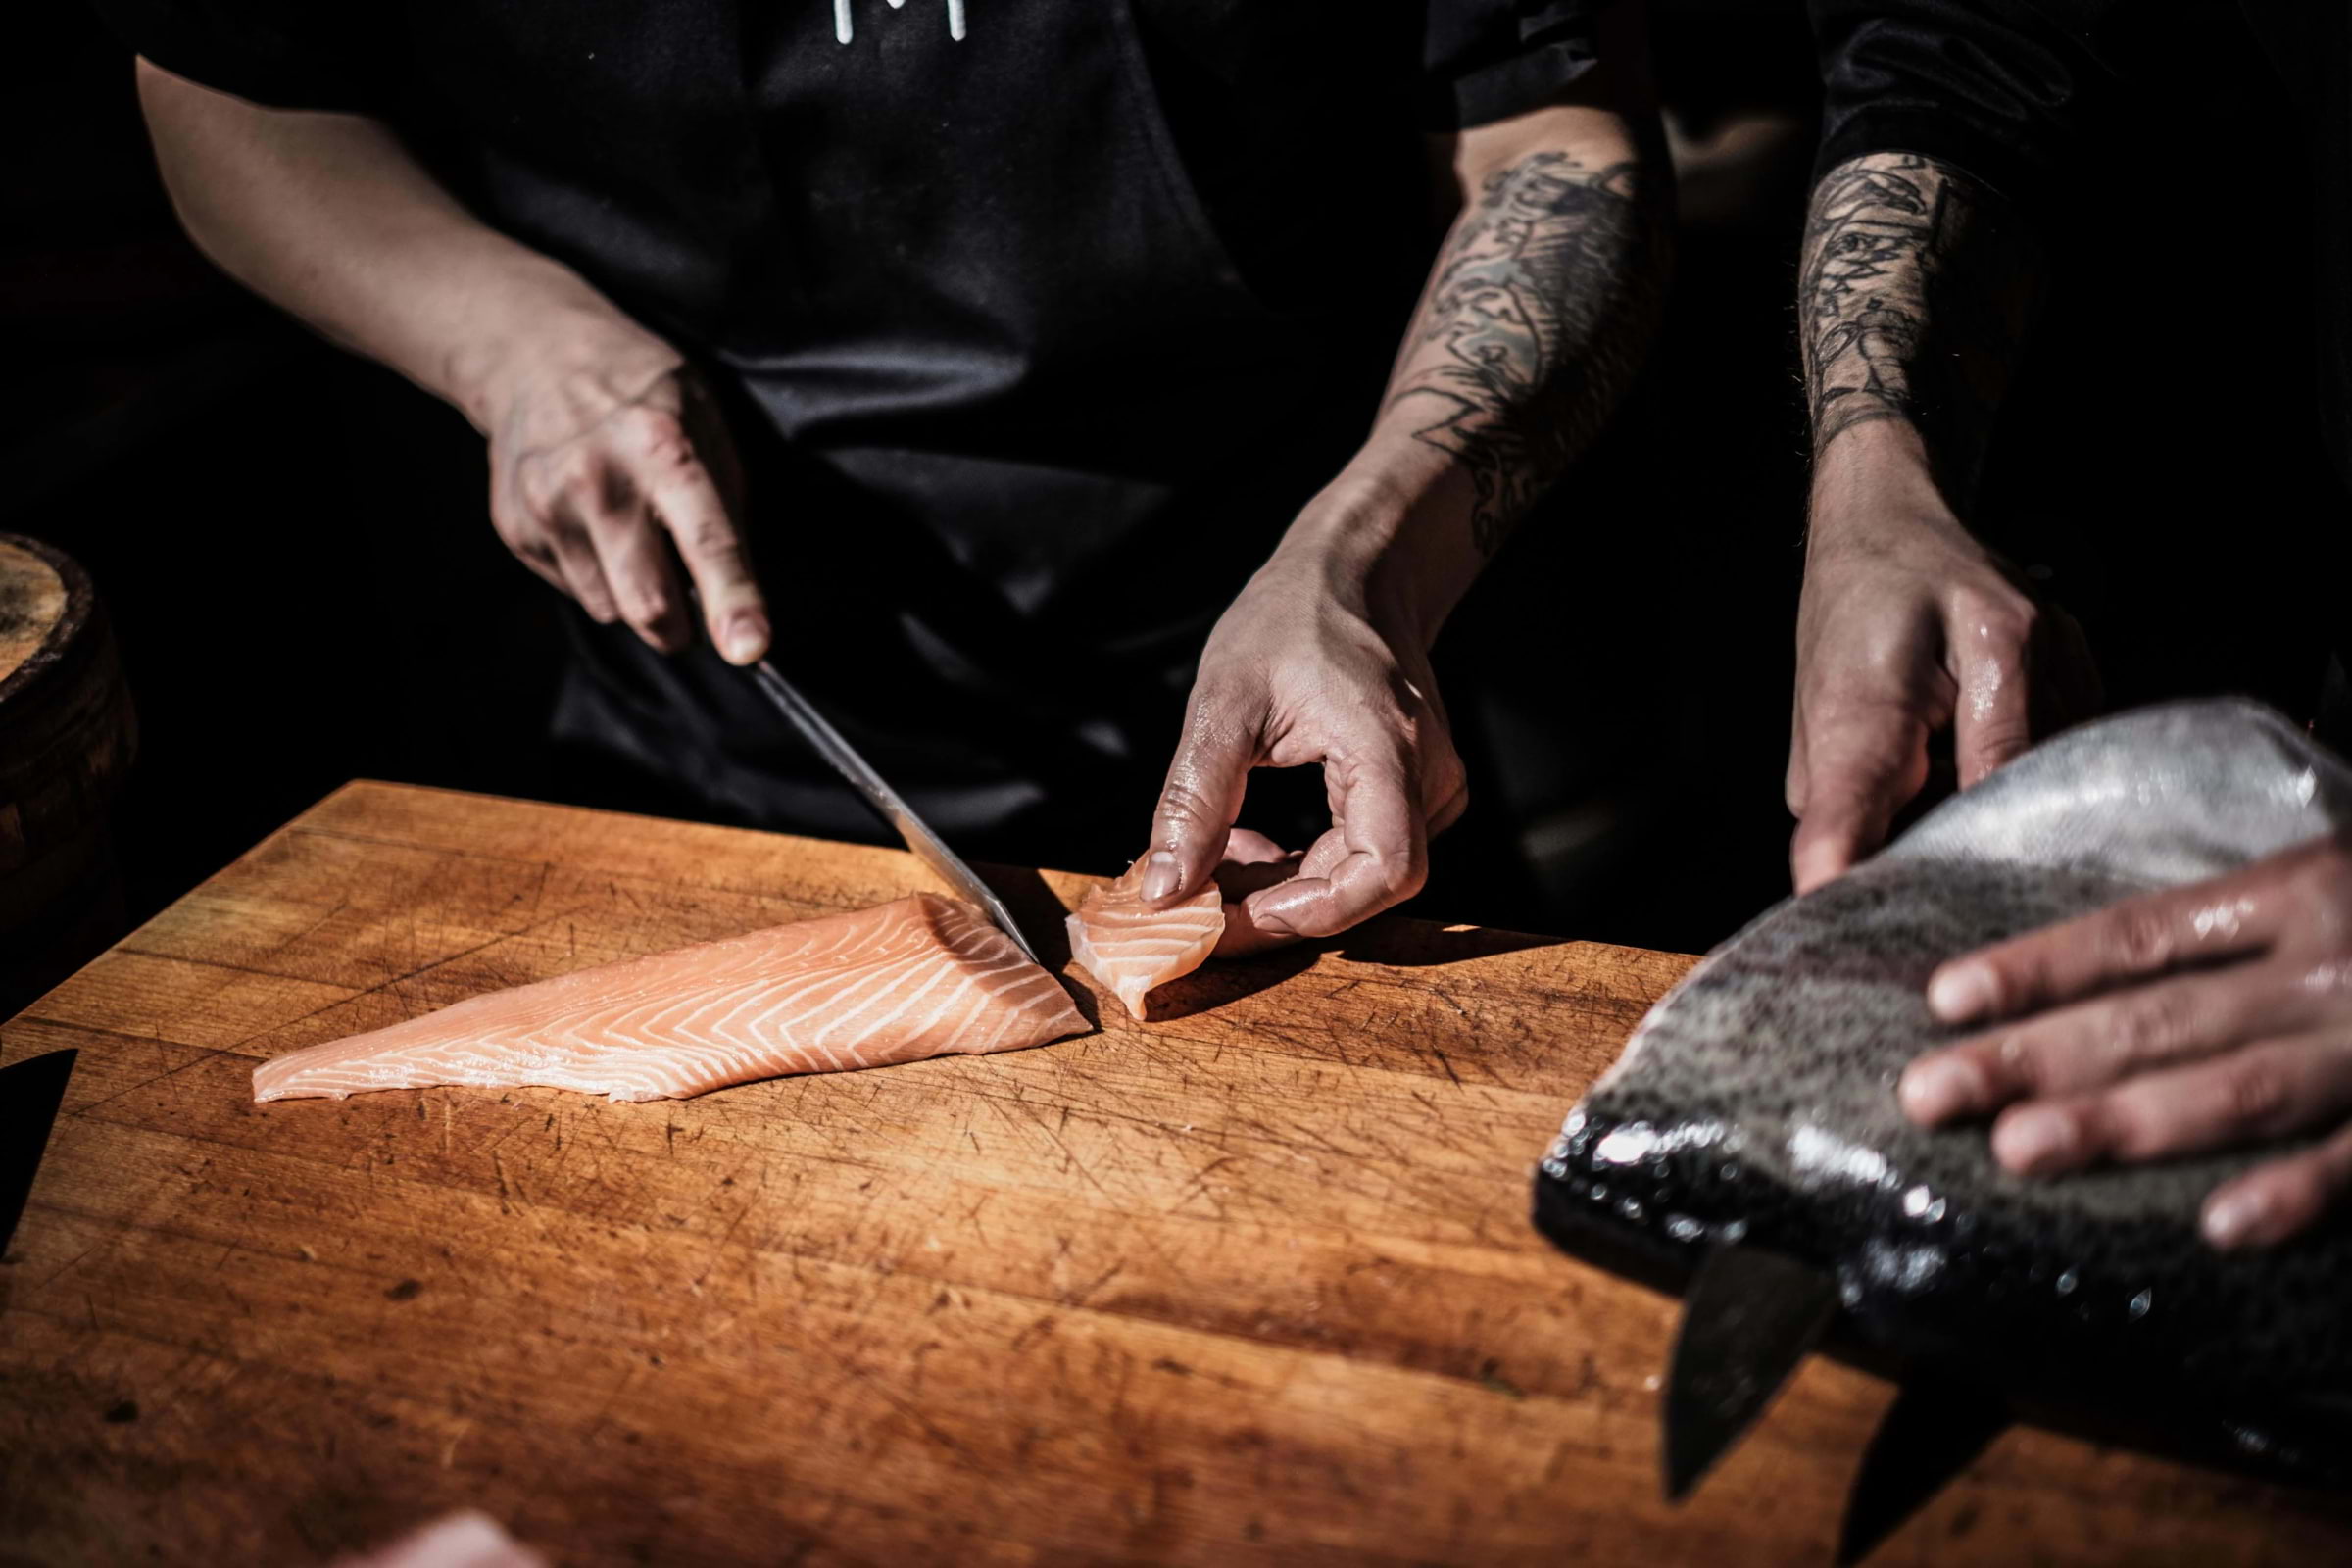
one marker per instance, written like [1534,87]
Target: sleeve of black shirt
[1488,60]
[285,54]
[2004,90]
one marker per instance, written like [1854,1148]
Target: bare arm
[1540,305]
[600,441]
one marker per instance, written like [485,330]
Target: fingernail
[1959,991]
[1940,1087]
[746,637]
[1162,876]
[2032,1140]
[2229,1220]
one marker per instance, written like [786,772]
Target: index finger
[1796,782]
[2227,916]
[1376,855]
[683,496]
[1192,822]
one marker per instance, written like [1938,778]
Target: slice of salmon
[919,977]
[1130,947]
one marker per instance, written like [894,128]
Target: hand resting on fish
[2198,1018]
[2138,899]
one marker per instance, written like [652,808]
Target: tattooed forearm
[1913,298]
[1536,314]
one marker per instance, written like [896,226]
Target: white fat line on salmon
[844,32]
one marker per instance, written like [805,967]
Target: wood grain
[67,734]
[32,604]
[1252,1283]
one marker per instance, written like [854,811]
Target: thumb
[1204,792]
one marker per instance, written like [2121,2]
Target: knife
[1749,1319]
[31,1092]
[928,847]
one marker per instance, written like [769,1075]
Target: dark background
[296,556]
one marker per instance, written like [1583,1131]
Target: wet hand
[1908,627]
[602,467]
[2199,1018]
[1301,669]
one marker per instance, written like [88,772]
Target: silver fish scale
[1756,1101]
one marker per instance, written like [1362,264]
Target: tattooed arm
[1914,292]
[1913,296]
[1534,318]
[1540,304]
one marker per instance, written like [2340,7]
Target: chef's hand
[1908,626]
[1305,667]
[602,451]
[2198,1018]
[600,464]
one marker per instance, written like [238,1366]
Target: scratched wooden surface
[1254,1284]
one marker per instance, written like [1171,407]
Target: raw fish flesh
[1756,1103]
[919,977]
[1131,947]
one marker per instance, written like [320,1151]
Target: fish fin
[1749,1319]
[1938,1425]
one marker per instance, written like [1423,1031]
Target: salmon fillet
[1130,947]
[919,977]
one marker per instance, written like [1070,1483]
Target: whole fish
[1755,1106]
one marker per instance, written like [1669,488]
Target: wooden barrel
[67,737]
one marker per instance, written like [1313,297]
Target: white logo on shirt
[843,30]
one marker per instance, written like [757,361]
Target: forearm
[1914,294]
[1538,311]
[330,217]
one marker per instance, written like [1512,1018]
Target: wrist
[1366,542]
[573,352]
[1394,531]
[1874,477]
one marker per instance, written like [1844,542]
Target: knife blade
[927,845]
[1749,1319]
[31,1092]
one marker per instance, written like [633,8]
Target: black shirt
[1038,336]
[2012,90]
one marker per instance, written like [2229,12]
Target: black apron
[1036,337]
[1016,428]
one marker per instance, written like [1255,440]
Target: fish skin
[1756,1103]
[921,976]
[1132,947]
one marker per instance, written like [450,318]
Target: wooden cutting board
[1251,1285]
